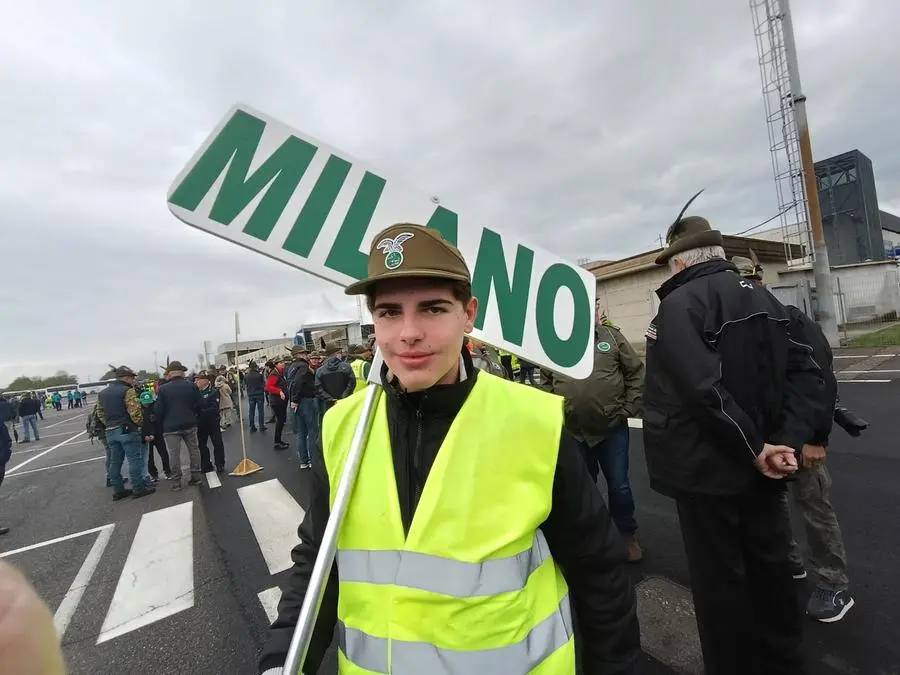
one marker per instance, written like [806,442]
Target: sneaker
[828,606]
[220,469]
[263,428]
[176,487]
[4,530]
[143,492]
[305,465]
[798,571]
[121,495]
[252,430]
[195,480]
[281,445]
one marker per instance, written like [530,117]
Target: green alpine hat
[687,233]
[749,268]
[406,250]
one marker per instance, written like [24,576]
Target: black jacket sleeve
[812,386]
[696,373]
[592,556]
[304,556]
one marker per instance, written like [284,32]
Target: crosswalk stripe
[158,577]
[212,479]
[269,600]
[274,516]
[70,601]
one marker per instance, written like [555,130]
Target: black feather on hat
[687,233]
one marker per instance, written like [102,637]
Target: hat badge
[393,249]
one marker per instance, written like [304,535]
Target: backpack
[94,426]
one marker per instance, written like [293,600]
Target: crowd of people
[487,487]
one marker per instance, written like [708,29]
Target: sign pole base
[245,467]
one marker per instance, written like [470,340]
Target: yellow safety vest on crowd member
[358,368]
[473,587]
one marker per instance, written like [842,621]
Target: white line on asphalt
[863,356]
[867,381]
[274,516]
[38,456]
[69,604]
[212,479]
[50,542]
[269,600]
[158,577]
[59,466]
[70,419]
[635,423]
[857,372]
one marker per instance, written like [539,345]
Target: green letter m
[233,149]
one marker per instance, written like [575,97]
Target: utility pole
[155,364]
[821,268]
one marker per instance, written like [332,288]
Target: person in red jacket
[276,388]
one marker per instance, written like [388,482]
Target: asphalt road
[185,582]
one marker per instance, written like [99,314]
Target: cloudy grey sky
[580,126]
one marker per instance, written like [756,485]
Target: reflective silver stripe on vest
[415,658]
[442,575]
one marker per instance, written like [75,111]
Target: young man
[277,389]
[474,529]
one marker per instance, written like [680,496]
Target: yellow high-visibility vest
[473,588]
[358,368]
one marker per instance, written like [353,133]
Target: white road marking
[857,372]
[635,423]
[50,542]
[69,604]
[59,466]
[39,455]
[866,381]
[212,479]
[269,600]
[158,577]
[70,419]
[863,356]
[274,516]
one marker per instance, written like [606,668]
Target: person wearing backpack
[96,429]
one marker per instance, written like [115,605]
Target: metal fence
[866,302]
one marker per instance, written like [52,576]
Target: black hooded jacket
[727,371]
[578,530]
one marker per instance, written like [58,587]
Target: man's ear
[471,312]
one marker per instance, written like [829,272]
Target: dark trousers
[279,407]
[256,406]
[159,443]
[506,362]
[746,602]
[611,456]
[208,430]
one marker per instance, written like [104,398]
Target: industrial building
[850,216]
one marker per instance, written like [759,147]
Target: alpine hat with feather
[687,233]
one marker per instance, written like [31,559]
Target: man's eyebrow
[438,302]
[387,305]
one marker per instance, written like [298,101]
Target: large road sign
[272,189]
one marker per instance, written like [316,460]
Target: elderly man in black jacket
[177,407]
[724,421]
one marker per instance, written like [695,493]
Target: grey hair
[695,256]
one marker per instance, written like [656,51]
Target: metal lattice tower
[784,141]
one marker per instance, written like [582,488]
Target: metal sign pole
[306,622]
